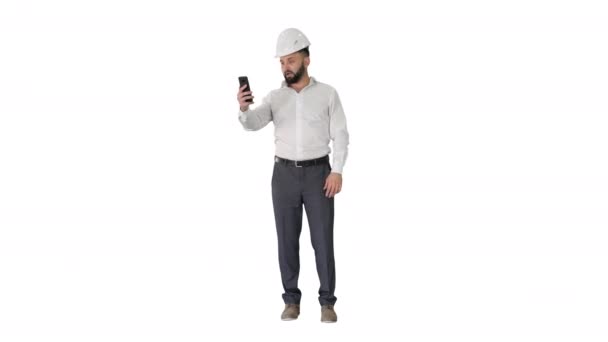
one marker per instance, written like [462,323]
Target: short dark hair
[305,52]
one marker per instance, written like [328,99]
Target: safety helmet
[290,41]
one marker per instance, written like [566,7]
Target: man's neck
[303,82]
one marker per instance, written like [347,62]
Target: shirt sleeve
[338,133]
[258,118]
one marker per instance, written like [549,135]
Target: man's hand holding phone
[244,96]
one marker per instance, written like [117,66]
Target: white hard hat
[290,41]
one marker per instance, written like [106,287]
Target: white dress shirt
[304,122]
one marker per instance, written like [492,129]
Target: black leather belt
[302,163]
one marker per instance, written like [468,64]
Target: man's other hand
[333,184]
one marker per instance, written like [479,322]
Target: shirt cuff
[243,115]
[337,168]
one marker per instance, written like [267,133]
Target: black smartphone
[243,80]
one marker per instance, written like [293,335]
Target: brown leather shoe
[328,315]
[291,312]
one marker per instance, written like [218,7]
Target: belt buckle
[296,162]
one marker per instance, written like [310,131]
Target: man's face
[293,67]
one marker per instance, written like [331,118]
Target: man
[307,114]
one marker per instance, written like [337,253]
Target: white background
[134,207]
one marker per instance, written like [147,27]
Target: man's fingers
[336,189]
[243,100]
[330,190]
[241,95]
[332,187]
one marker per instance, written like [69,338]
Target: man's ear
[306,61]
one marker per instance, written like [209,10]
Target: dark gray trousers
[292,188]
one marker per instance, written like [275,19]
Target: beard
[294,78]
